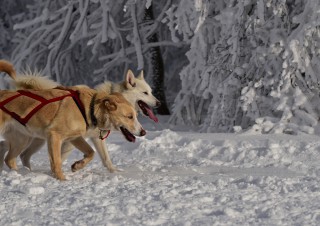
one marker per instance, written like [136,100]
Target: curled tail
[27,79]
[8,68]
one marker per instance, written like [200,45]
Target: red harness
[43,102]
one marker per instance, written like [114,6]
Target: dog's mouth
[129,136]
[147,111]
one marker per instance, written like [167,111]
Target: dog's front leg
[54,149]
[86,149]
[102,149]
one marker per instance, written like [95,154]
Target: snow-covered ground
[174,178]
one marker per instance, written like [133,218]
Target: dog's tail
[8,68]
[34,80]
[27,79]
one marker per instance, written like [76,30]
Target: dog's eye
[145,93]
[130,117]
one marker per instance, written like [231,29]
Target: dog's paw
[12,164]
[60,177]
[25,163]
[114,169]
[77,165]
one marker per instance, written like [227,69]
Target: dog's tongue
[129,136]
[151,115]
[147,110]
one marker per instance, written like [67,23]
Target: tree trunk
[157,69]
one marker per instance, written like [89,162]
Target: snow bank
[174,178]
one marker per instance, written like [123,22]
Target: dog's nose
[158,103]
[143,132]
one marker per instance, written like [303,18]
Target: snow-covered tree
[11,12]
[243,64]
[87,41]
[251,63]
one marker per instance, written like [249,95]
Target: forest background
[217,66]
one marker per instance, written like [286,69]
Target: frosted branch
[114,27]
[136,38]
[65,28]
[159,19]
[105,21]
[81,20]
[44,16]
[145,47]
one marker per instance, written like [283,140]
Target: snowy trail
[174,178]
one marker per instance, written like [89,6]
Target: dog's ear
[141,75]
[110,104]
[118,97]
[130,80]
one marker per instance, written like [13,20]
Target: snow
[252,68]
[174,178]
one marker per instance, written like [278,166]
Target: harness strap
[32,95]
[13,114]
[75,96]
[43,101]
[92,116]
[9,99]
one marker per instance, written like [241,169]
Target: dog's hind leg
[34,147]
[102,150]
[3,150]
[66,149]
[54,149]
[86,149]
[16,146]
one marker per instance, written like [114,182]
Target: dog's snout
[158,103]
[142,132]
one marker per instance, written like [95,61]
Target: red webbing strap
[43,101]
[12,114]
[32,95]
[2,103]
[76,98]
[2,107]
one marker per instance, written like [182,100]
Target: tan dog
[62,120]
[134,89]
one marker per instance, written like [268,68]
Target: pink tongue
[151,115]
[132,139]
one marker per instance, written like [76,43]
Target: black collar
[92,116]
